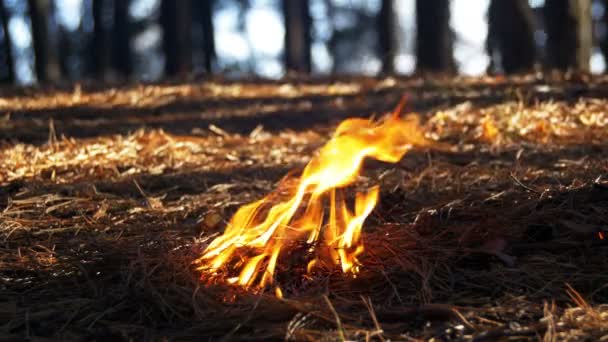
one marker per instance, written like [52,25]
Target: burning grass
[498,236]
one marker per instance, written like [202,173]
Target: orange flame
[489,131]
[248,252]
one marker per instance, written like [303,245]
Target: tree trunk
[569,34]
[603,43]
[297,35]
[175,19]
[101,49]
[47,63]
[202,18]
[7,58]
[386,36]
[511,34]
[434,38]
[121,50]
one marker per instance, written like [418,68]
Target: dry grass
[497,238]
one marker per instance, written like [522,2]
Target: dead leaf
[102,211]
[212,219]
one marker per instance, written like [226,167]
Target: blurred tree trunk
[64,50]
[297,35]
[47,59]
[434,38]
[176,22]
[101,49]
[386,33]
[603,43]
[569,34]
[511,34]
[202,16]
[121,51]
[9,75]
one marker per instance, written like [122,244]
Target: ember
[248,251]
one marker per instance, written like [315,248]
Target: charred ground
[109,194]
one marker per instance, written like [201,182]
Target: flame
[489,131]
[294,215]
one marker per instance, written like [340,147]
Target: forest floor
[107,196]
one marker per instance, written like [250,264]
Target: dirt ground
[108,194]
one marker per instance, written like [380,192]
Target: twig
[228,336]
[338,321]
[518,182]
[368,303]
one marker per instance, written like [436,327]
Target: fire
[295,214]
[489,131]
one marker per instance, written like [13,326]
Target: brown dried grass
[495,239]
